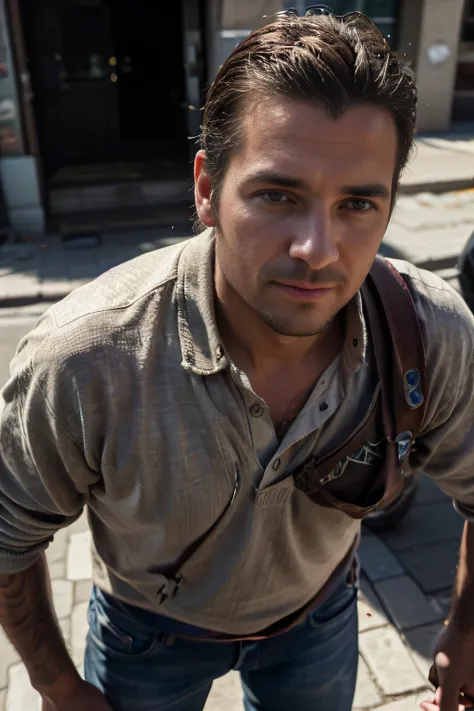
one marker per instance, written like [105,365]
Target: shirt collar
[354,351]
[201,345]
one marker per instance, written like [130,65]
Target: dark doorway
[110,89]
[151,79]
[463,104]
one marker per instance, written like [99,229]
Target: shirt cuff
[17,560]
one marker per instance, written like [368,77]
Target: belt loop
[353,575]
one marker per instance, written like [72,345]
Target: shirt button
[276,465]
[323,406]
[256,410]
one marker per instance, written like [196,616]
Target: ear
[203,190]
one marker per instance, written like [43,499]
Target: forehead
[303,138]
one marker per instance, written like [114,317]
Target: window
[383,12]
[83,42]
[465,73]
[468,23]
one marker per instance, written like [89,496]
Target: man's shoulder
[114,310]
[120,288]
[437,302]
[446,322]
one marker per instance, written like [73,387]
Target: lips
[305,286]
[305,292]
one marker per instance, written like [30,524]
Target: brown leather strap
[408,374]
[316,469]
[393,324]
[384,357]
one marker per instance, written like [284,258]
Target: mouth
[305,292]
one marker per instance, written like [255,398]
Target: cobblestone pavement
[431,230]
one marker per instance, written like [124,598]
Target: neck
[252,344]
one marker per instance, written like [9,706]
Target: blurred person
[466,272]
[179,397]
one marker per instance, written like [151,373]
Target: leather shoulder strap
[393,324]
[390,300]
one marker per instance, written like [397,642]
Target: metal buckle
[413,388]
[404,442]
[169,589]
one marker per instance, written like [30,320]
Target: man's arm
[44,485]
[28,618]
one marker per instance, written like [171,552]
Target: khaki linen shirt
[123,399]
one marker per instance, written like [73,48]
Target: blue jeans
[312,667]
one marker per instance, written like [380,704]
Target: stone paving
[403,599]
[431,230]
[440,164]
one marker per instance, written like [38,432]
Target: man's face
[303,208]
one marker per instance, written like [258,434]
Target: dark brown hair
[332,62]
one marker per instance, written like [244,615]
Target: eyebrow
[373,190]
[284,181]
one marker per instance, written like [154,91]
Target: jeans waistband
[156,621]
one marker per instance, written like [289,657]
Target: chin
[296,329]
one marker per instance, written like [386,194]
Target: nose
[314,239]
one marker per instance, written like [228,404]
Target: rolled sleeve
[445,449]
[44,478]
[449,455]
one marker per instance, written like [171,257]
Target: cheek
[362,236]
[358,249]
[252,235]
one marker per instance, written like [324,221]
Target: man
[177,396]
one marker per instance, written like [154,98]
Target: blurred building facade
[98,98]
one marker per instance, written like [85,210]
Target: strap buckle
[169,589]
[404,442]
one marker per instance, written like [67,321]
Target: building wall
[18,172]
[440,28]
[11,139]
[230,21]
[424,27]
[247,14]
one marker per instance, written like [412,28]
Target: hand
[85,698]
[453,670]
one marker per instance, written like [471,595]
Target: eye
[359,205]
[273,197]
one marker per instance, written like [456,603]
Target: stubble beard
[283,329]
